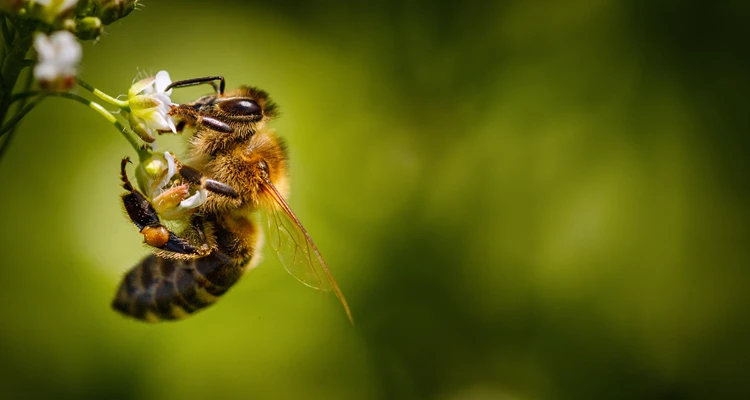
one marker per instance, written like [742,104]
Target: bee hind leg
[144,216]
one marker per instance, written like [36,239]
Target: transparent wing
[294,250]
[294,247]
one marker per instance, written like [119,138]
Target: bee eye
[240,107]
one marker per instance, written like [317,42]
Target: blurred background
[521,200]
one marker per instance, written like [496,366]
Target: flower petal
[162,81]
[163,98]
[171,170]
[66,4]
[44,47]
[143,103]
[150,105]
[140,86]
[172,126]
[45,72]
[68,50]
[194,201]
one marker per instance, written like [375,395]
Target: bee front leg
[195,118]
[144,216]
[195,177]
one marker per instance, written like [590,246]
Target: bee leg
[144,216]
[196,118]
[193,117]
[195,177]
[180,126]
[214,124]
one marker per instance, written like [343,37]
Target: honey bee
[240,166]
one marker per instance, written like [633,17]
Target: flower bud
[88,28]
[155,166]
[110,11]
[154,173]
[69,25]
[141,129]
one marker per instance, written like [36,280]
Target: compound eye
[240,107]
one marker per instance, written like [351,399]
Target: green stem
[6,36]
[13,65]
[19,115]
[143,151]
[21,105]
[6,32]
[24,95]
[98,93]
[5,145]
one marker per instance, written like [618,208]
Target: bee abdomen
[167,289]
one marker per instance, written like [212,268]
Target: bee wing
[295,248]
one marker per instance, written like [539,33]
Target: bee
[241,167]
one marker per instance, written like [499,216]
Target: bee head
[225,120]
[243,106]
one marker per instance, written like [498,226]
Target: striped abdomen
[160,288]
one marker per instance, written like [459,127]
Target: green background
[521,200]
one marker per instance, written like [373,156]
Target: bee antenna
[198,81]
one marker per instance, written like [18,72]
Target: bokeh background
[521,200]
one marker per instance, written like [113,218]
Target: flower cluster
[59,51]
[55,29]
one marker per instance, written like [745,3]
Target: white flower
[171,199]
[58,5]
[54,8]
[149,106]
[59,55]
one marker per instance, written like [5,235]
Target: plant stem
[21,105]
[24,95]
[98,93]
[6,35]
[20,114]
[142,150]
[13,65]
[5,31]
